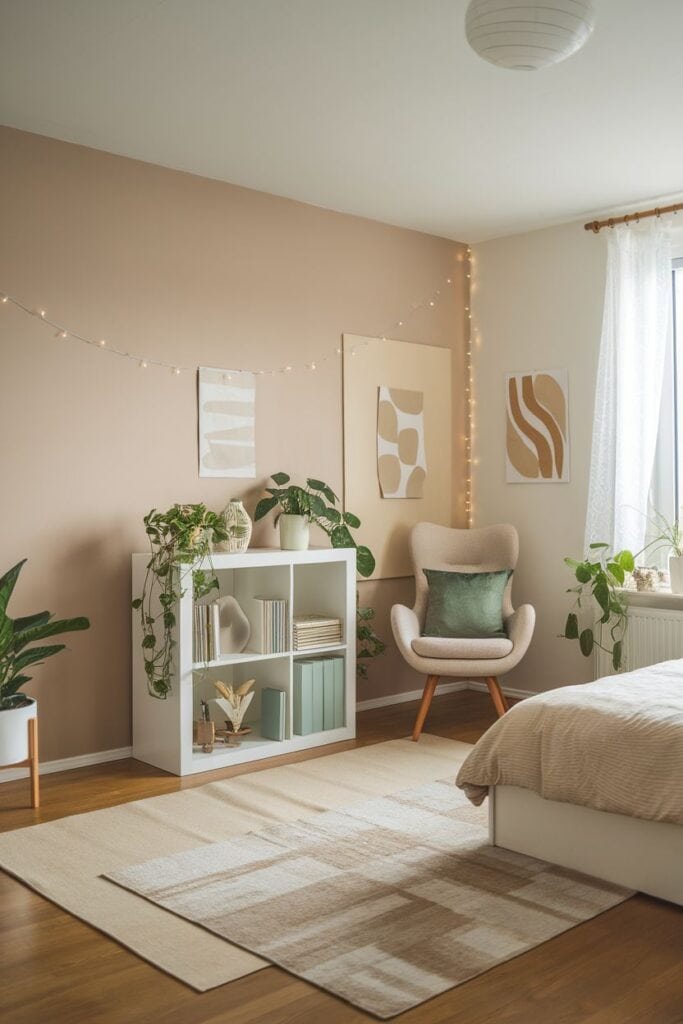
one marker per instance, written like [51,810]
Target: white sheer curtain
[635,329]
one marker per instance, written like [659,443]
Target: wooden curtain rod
[597,225]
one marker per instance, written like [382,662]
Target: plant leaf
[264,506]
[280,479]
[599,544]
[571,629]
[586,642]
[365,561]
[616,656]
[36,654]
[583,572]
[41,632]
[7,583]
[351,520]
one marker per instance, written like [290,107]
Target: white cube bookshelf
[320,580]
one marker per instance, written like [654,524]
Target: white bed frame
[638,854]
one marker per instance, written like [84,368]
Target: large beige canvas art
[227,420]
[537,427]
[415,381]
[401,461]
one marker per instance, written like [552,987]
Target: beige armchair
[485,550]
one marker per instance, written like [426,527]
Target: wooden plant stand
[32,762]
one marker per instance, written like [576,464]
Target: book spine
[339,693]
[303,698]
[328,693]
[216,628]
[318,690]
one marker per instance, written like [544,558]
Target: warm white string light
[143,362]
[469,395]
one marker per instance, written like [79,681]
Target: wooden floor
[624,966]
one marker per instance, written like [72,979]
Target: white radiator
[652,635]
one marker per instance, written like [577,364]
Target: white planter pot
[294,533]
[14,733]
[676,573]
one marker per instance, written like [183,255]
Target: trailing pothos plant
[179,540]
[317,502]
[599,577]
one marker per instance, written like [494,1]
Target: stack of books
[316,631]
[269,626]
[206,632]
[318,695]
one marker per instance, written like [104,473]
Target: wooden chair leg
[33,761]
[430,687]
[497,696]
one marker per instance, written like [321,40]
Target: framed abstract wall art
[537,427]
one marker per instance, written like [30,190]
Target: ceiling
[371,107]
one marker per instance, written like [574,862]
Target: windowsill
[654,599]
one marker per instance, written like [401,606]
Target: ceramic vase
[14,733]
[294,533]
[676,573]
[238,526]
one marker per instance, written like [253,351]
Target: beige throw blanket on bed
[615,745]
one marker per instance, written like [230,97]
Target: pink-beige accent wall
[192,271]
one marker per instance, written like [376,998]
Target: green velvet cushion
[465,604]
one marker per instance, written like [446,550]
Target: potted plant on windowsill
[16,654]
[669,536]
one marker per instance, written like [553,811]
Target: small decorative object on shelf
[234,702]
[204,731]
[646,578]
[238,527]
[235,629]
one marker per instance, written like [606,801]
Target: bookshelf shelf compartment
[318,581]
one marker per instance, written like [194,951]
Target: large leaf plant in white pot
[21,647]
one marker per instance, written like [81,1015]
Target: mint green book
[318,694]
[328,692]
[303,698]
[273,709]
[339,694]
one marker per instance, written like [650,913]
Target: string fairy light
[143,362]
[469,396]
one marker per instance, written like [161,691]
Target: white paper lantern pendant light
[527,35]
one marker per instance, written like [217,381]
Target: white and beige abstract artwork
[227,423]
[401,459]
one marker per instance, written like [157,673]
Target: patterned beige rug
[385,903]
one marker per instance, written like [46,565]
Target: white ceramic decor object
[294,533]
[531,35]
[238,526]
[676,573]
[14,733]
[235,628]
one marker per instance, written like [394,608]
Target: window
[666,493]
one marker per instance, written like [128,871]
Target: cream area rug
[385,903]
[65,859]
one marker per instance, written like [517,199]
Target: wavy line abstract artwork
[537,427]
[227,412]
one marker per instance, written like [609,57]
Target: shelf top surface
[275,556]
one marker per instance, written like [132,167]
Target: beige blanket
[614,745]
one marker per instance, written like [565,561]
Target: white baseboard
[403,698]
[509,691]
[67,763]
[459,684]
[102,756]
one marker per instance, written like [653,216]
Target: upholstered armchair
[484,550]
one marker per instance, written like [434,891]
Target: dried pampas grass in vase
[234,704]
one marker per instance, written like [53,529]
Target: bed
[591,777]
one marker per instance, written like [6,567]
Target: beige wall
[537,304]
[191,271]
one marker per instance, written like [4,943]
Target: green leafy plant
[16,638]
[180,539]
[669,535]
[599,577]
[369,645]
[317,502]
